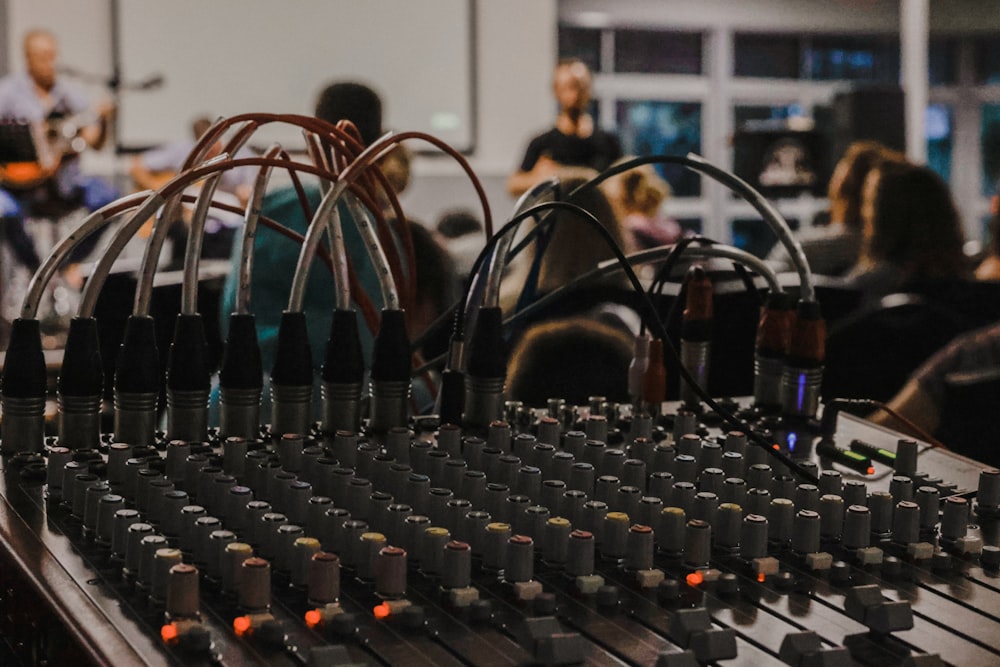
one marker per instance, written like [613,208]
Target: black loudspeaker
[868,112]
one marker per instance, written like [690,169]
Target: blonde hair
[846,188]
[643,191]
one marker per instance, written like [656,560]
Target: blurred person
[833,249]
[637,197]
[911,234]
[64,123]
[575,141]
[152,169]
[922,398]
[438,287]
[275,256]
[989,267]
[546,363]
[570,248]
[461,234]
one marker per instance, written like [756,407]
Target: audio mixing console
[570,535]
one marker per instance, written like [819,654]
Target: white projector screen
[225,57]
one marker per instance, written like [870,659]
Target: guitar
[54,140]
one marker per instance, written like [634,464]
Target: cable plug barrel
[137,383]
[343,374]
[487,371]
[390,376]
[80,386]
[451,396]
[240,380]
[637,367]
[22,390]
[774,332]
[654,381]
[802,378]
[696,333]
[188,381]
[291,377]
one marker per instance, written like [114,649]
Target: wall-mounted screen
[227,57]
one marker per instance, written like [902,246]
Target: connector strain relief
[137,369]
[344,361]
[187,364]
[82,372]
[24,373]
[242,367]
[293,355]
[452,397]
[391,357]
[486,348]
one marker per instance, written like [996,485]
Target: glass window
[990,141]
[768,56]
[852,58]
[582,43]
[939,123]
[987,52]
[689,225]
[942,61]
[649,127]
[657,51]
[763,114]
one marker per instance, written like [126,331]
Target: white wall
[516,48]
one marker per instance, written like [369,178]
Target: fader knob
[906,458]
[753,537]
[519,562]
[232,565]
[639,549]
[182,591]
[614,535]
[806,532]
[857,527]
[728,526]
[697,543]
[164,559]
[323,580]
[255,585]
[988,495]
[906,523]
[580,554]
[457,566]
[955,520]
[390,573]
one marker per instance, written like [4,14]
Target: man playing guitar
[37,97]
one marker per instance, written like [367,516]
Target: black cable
[730,181]
[660,330]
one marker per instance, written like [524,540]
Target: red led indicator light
[169,633]
[694,579]
[761,577]
[381,611]
[313,618]
[241,624]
